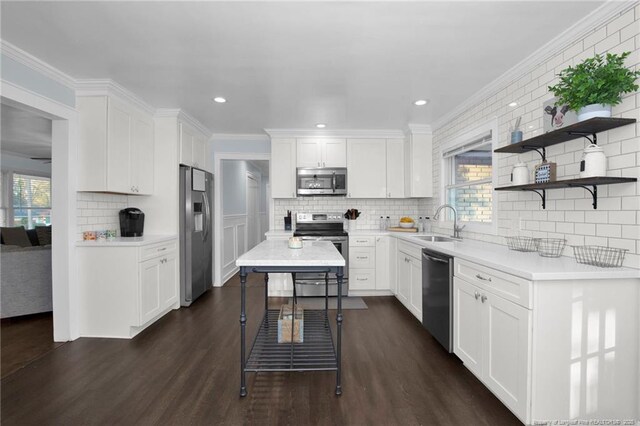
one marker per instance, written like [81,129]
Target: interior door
[253,227]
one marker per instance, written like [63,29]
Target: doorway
[243,209]
[63,206]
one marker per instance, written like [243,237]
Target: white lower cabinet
[124,289]
[409,282]
[492,336]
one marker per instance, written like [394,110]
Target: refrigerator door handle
[207,213]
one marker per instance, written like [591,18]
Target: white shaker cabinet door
[142,153]
[169,280]
[367,165]
[283,168]
[334,153]
[383,261]
[467,322]
[199,154]
[186,145]
[149,304]
[119,127]
[309,153]
[507,348]
[404,278]
[395,168]
[415,265]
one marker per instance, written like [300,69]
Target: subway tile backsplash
[99,212]
[569,213]
[370,209]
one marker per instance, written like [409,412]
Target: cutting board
[398,229]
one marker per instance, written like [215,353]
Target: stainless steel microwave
[321,181]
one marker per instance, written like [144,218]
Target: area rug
[318,302]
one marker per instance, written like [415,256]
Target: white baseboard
[229,275]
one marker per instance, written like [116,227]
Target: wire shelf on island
[317,353]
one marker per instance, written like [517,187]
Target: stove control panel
[319,217]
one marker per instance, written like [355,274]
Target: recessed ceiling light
[219,99]
[321,125]
[513,104]
[421,102]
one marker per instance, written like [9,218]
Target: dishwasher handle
[434,259]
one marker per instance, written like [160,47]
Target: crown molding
[108,87]
[419,129]
[36,64]
[181,115]
[352,134]
[578,31]
[240,137]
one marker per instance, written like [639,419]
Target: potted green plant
[594,85]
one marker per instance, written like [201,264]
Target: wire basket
[551,247]
[522,243]
[604,257]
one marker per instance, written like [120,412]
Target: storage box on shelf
[588,129]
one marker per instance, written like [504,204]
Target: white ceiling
[352,65]
[24,133]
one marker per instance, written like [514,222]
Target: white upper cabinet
[395,168]
[193,150]
[283,168]
[321,153]
[116,147]
[367,165]
[418,164]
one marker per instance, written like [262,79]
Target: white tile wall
[371,210]
[99,212]
[569,213]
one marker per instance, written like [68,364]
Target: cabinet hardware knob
[476,294]
[480,277]
[483,298]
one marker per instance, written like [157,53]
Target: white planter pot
[594,110]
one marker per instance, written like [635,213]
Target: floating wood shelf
[588,128]
[590,184]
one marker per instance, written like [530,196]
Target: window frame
[10,210]
[446,181]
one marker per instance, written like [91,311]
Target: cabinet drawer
[362,242]
[410,249]
[362,279]
[362,258]
[510,287]
[159,249]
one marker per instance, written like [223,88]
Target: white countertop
[279,234]
[278,253]
[530,266]
[127,241]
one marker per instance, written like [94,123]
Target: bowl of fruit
[406,222]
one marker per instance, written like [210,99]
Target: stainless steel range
[322,227]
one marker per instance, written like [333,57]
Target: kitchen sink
[436,239]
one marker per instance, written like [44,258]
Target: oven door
[322,181]
[312,284]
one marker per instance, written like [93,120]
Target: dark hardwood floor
[25,339]
[184,369]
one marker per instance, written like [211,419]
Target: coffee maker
[131,222]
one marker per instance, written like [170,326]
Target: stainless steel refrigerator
[196,233]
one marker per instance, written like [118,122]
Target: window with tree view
[468,183]
[31,201]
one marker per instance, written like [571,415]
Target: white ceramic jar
[594,162]
[520,174]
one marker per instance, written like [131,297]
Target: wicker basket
[551,247]
[286,321]
[522,243]
[604,257]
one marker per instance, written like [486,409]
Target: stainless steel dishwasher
[437,296]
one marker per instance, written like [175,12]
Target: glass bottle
[387,223]
[381,224]
[420,225]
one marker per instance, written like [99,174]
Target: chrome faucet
[456,228]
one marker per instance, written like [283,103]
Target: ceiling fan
[45,160]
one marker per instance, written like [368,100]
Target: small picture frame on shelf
[557,116]
[545,172]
